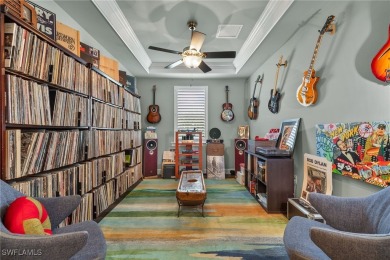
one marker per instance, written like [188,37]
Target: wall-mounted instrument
[154,113]
[380,64]
[254,102]
[307,92]
[227,113]
[273,103]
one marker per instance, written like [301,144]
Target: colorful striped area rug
[144,225]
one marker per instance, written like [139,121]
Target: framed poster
[288,134]
[46,20]
[317,176]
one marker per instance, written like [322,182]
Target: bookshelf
[270,180]
[188,151]
[66,127]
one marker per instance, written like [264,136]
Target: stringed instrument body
[254,102]
[227,112]
[307,92]
[380,64]
[154,116]
[273,103]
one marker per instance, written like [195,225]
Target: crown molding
[115,17]
[268,19]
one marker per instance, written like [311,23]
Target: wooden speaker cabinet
[240,145]
[150,157]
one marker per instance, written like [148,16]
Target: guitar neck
[154,94]
[313,59]
[227,95]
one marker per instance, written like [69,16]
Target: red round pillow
[26,215]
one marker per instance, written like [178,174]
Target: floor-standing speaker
[150,157]
[240,145]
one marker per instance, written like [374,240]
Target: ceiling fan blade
[172,65]
[220,54]
[203,66]
[197,39]
[164,50]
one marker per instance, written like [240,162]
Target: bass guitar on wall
[273,103]
[154,116]
[307,92]
[254,102]
[380,64]
[227,113]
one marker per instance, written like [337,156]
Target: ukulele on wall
[154,114]
[227,113]
[273,103]
[307,92]
[380,64]
[254,102]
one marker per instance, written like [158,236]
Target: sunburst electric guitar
[273,103]
[307,92]
[380,64]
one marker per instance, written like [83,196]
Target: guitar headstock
[281,63]
[154,87]
[327,24]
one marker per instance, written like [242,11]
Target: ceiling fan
[192,57]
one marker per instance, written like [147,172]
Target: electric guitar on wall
[380,64]
[154,114]
[273,103]
[254,102]
[307,92]
[227,113]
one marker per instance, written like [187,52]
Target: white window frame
[178,88]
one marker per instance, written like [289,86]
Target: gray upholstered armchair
[356,228]
[83,240]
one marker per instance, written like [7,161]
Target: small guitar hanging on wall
[227,113]
[380,64]
[154,114]
[273,103]
[307,92]
[254,102]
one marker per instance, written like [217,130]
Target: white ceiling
[128,28]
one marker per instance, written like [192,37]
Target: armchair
[83,240]
[356,228]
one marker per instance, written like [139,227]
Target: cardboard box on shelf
[68,37]
[109,66]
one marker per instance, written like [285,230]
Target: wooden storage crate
[68,37]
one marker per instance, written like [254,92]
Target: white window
[191,108]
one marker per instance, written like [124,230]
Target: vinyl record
[215,133]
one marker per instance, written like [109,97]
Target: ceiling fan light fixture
[192,58]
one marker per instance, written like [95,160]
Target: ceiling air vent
[227,31]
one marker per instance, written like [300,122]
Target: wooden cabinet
[188,151]
[270,180]
[66,127]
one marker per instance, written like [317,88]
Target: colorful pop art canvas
[359,150]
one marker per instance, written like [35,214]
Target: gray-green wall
[347,90]
[216,98]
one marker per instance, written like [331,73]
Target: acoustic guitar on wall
[380,64]
[273,103]
[154,116]
[227,113]
[254,102]
[307,92]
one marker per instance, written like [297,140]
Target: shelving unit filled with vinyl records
[66,127]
